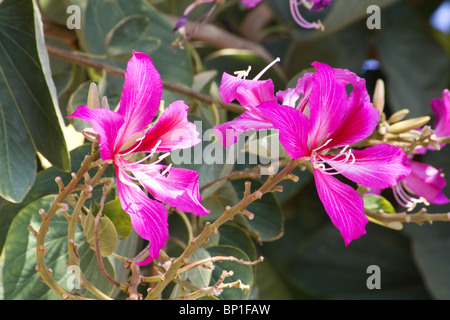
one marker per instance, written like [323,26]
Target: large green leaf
[29,112]
[18,276]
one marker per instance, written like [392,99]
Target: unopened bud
[93,100]
[398,116]
[378,95]
[407,125]
[91,135]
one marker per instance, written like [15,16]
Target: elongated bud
[93,100]
[378,95]
[407,125]
[398,116]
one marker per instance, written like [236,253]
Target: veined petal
[141,95]
[328,104]
[288,97]
[172,131]
[106,123]
[343,204]
[250,98]
[427,182]
[230,84]
[148,217]
[175,186]
[379,167]
[293,127]
[228,132]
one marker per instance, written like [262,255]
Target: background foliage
[304,254]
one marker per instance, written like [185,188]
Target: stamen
[319,163]
[404,199]
[266,68]
[167,170]
[296,15]
[243,74]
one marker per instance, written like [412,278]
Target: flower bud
[407,125]
[93,100]
[378,95]
[398,116]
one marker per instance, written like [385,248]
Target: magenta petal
[250,3]
[250,98]
[172,129]
[176,186]
[343,204]
[148,217]
[106,123]
[229,87]
[141,95]
[293,127]
[441,108]
[427,182]
[379,167]
[328,104]
[228,132]
[288,97]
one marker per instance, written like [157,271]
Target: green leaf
[376,203]
[121,220]
[107,234]
[19,279]
[268,221]
[217,202]
[29,112]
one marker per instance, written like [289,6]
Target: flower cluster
[128,131]
[319,122]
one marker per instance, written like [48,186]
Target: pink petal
[288,97]
[328,104]
[379,167]
[293,127]
[250,3]
[106,123]
[441,107]
[148,217]
[176,186]
[228,132]
[141,95]
[343,204]
[172,129]
[427,182]
[229,86]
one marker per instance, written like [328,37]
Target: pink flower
[130,130]
[323,131]
[441,108]
[425,182]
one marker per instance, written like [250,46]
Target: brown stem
[229,213]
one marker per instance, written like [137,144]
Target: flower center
[345,156]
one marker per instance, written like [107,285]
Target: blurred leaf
[118,26]
[326,268]
[415,65]
[29,114]
[430,248]
[233,235]
[268,221]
